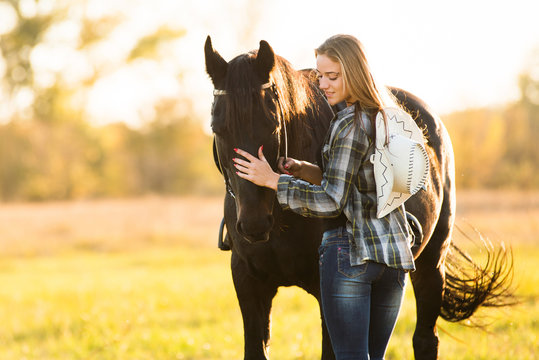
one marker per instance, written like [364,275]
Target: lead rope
[285,139]
[283,123]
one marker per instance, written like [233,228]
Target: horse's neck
[306,137]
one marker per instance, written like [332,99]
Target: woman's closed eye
[330,75]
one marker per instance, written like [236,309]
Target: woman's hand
[300,169]
[256,170]
[290,166]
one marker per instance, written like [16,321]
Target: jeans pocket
[344,266]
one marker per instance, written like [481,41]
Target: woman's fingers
[243,175]
[241,162]
[256,170]
[241,165]
[261,153]
[280,165]
[245,154]
[249,166]
[241,168]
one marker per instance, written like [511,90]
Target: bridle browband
[217,92]
[282,123]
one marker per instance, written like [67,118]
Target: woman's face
[331,80]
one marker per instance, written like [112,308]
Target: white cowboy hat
[401,168]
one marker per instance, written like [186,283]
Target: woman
[363,259]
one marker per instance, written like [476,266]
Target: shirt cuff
[282,190]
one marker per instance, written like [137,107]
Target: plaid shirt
[348,186]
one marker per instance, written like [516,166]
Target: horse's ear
[216,66]
[265,61]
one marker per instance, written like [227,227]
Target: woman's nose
[323,83]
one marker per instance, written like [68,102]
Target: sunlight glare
[55,59]
[8,18]
[24,99]
[130,93]
[66,32]
[28,8]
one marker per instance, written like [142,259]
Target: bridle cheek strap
[217,92]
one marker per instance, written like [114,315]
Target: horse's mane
[298,100]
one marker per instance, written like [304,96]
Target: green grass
[149,283]
[179,303]
[144,305]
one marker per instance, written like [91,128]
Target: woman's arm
[326,199]
[347,149]
[258,171]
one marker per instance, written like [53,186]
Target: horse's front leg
[255,298]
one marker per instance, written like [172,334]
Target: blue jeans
[360,303]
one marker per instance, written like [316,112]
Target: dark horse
[259,99]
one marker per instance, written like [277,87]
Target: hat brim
[388,200]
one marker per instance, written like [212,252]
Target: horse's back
[435,207]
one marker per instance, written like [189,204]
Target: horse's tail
[469,285]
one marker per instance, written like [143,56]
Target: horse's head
[246,114]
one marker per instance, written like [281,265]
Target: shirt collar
[346,111]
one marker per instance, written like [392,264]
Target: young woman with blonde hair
[363,259]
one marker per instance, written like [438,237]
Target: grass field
[143,279]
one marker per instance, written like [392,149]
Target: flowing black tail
[469,286]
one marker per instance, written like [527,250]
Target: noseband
[282,123]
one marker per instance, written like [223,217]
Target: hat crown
[401,167]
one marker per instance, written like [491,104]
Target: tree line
[498,147]
[69,160]
[51,159]
[49,149]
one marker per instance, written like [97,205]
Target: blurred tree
[521,160]
[15,151]
[171,154]
[498,147]
[478,142]
[17,45]
[148,46]
[49,150]
[56,53]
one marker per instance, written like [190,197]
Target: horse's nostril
[255,231]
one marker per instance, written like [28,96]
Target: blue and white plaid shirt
[348,186]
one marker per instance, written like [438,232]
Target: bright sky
[453,54]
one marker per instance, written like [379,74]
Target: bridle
[282,123]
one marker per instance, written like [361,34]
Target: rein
[217,92]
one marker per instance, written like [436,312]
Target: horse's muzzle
[258,238]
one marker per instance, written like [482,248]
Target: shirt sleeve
[347,149]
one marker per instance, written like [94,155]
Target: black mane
[298,100]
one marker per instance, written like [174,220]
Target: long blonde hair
[357,77]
